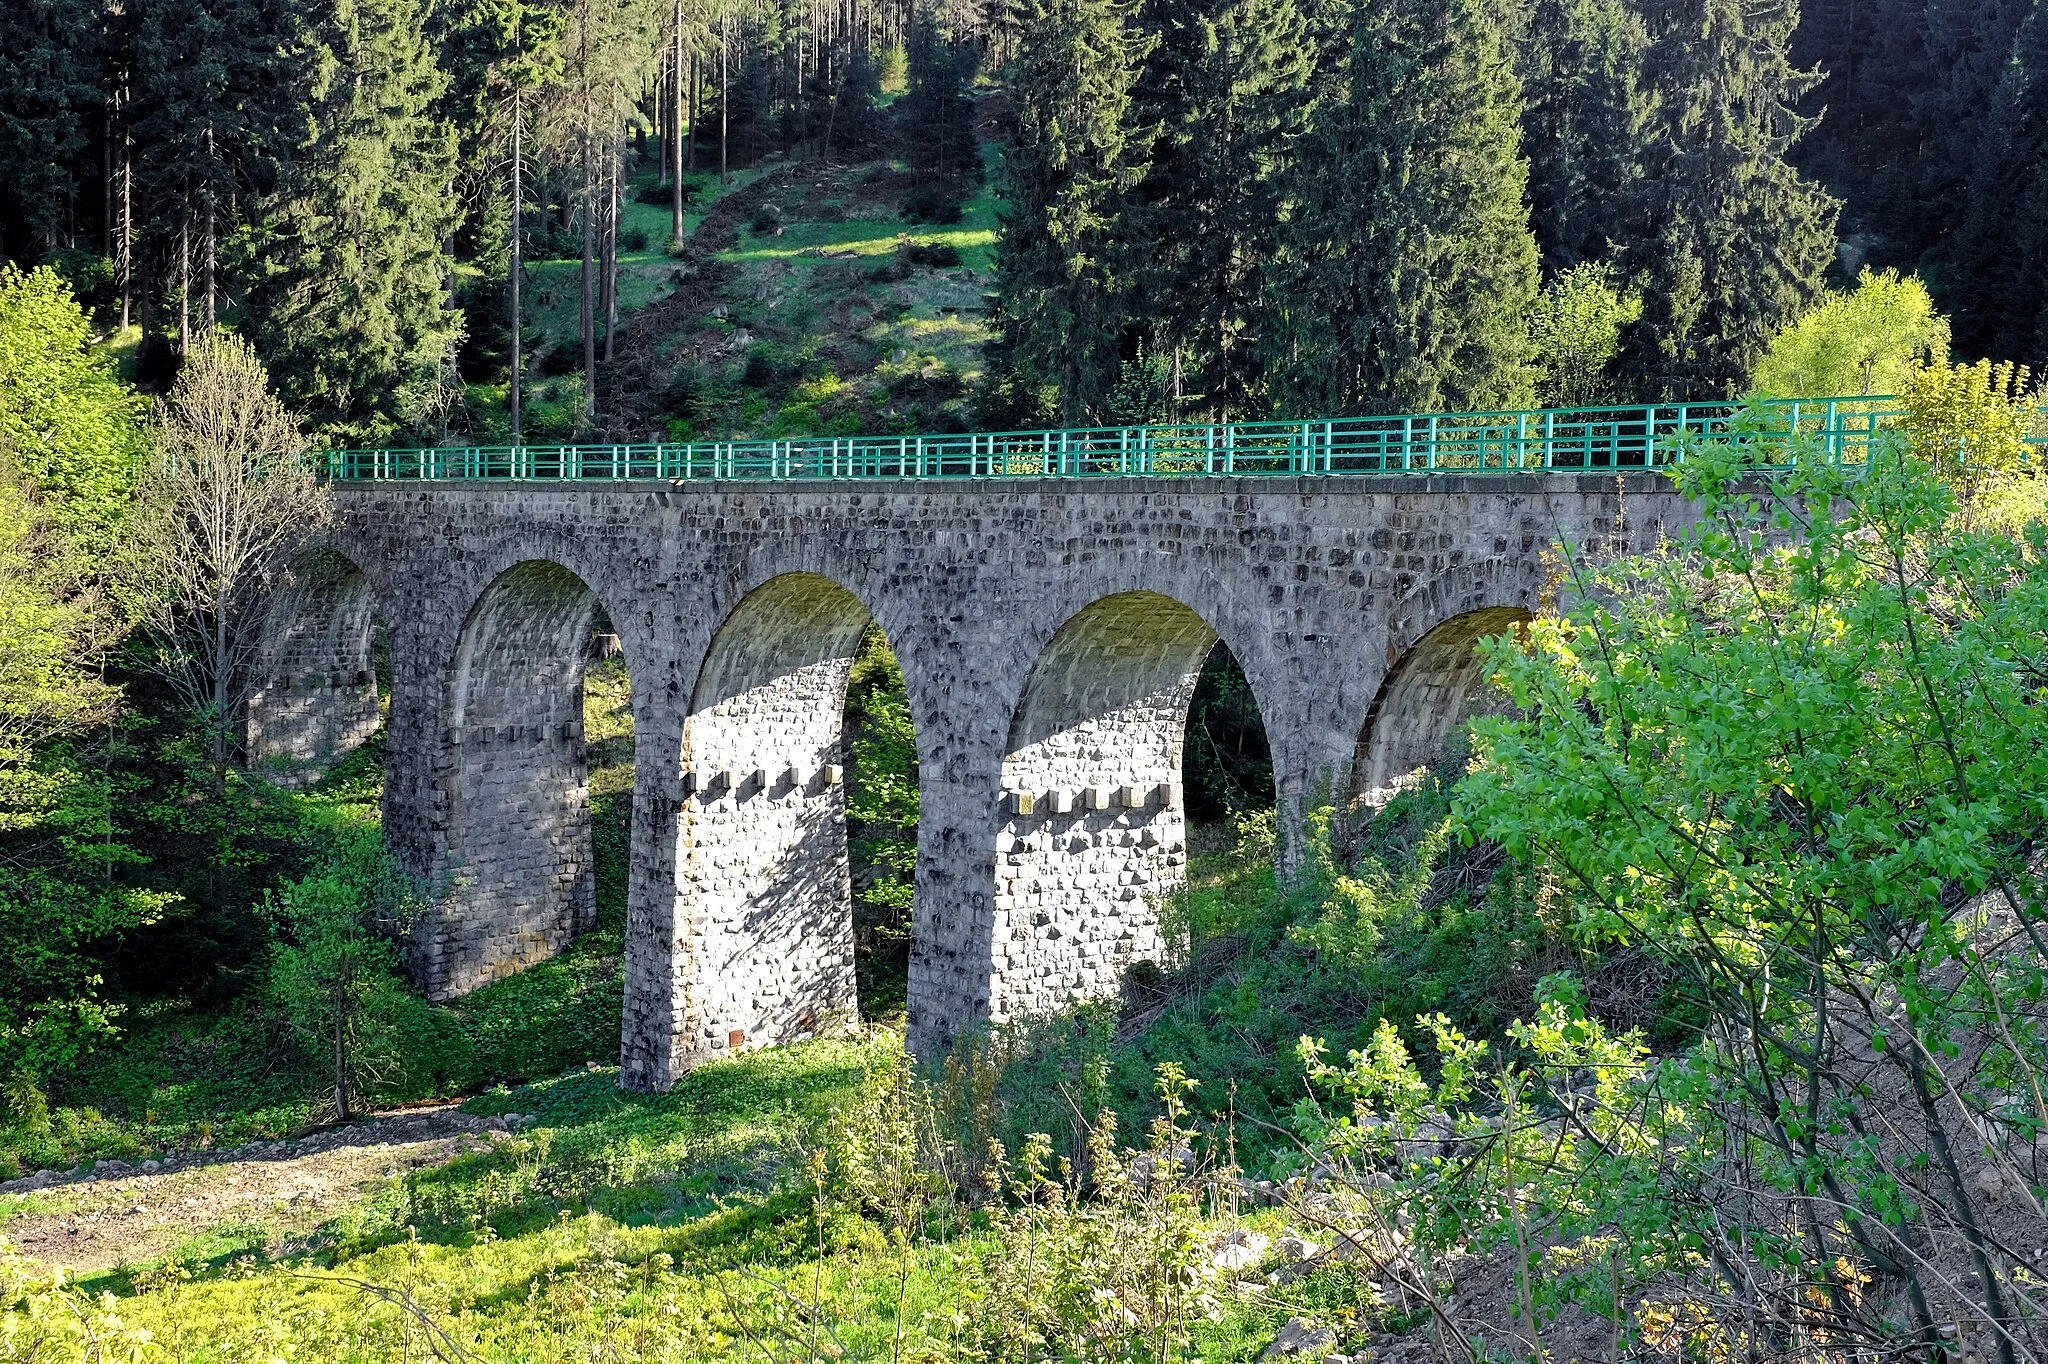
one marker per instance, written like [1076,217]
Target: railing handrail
[1638,436]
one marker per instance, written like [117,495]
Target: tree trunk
[518,266]
[185,277]
[724,103]
[341,1113]
[124,258]
[611,247]
[589,317]
[211,240]
[673,153]
[692,133]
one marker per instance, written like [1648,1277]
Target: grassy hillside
[808,298]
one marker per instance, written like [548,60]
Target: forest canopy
[1206,208]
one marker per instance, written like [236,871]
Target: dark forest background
[1207,207]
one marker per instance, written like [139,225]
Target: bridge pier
[509,855]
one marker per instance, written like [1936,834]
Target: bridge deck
[1839,430]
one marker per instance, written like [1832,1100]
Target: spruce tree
[1407,267]
[1736,241]
[47,91]
[1064,301]
[937,113]
[1227,89]
[2000,257]
[213,81]
[1585,127]
[349,305]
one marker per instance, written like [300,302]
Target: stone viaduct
[1050,632]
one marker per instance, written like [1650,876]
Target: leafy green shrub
[334,977]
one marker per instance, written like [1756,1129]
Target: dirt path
[120,1214]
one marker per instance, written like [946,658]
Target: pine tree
[1064,303]
[1227,88]
[1408,267]
[47,90]
[1736,241]
[1585,127]
[349,306]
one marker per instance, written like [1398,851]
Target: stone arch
[1093,833]
[513,793]
[313,694]
[764,895]
[1433,687]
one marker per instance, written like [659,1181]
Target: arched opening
[765,884]
[1433,689]
[314,696]
[1094,831]
[515,793]
[881,824]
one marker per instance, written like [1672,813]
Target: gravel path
[118,1213]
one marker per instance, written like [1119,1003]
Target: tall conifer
[49,53]
[350,308]
[1585,126]
[1064,299]
[1227,90]
[1407,266]
[2001,251]
[1736,241]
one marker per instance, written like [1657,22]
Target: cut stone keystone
[1023,802]
[1060,802]
[1098,797]
[1133,797]
[690,780]
[758,779]
[1163,794]
[835,776]
[792,778]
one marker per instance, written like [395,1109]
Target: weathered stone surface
[1049,633]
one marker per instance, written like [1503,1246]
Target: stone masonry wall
[1096,837]
[1435,688]
[764,892]
[1320,588]
[314,696]
[513,786]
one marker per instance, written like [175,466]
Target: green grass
[661,1228]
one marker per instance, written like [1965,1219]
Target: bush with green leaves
[334,977]
[1870,340]
[1801,759]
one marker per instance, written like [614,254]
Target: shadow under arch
[1093,832]
[1434,687]
[514,793]
[764,891]
[313,688]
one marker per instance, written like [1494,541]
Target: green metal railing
[1607,438]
